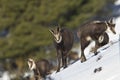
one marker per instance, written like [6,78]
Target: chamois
[63,40]
[94,31]
[40,68]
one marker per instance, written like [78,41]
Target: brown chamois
[63,40]
[93,31]
[40,68]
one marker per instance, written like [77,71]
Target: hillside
[104,66]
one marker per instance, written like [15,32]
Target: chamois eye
[113,25]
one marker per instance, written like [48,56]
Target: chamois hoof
[96,53]
[57,71]
[83,59]
[65,67]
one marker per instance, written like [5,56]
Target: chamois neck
[106,25]
[107,28]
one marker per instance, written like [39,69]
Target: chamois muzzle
[113,30]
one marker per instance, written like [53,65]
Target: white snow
[117,2]
[5,76]
[118,25]
[109,62]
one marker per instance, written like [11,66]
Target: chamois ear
[111,20]
[107,22]
[58,28]
[51,31]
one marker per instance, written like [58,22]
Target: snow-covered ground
[108,60]
[104,66]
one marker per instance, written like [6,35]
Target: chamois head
[57,34]
[31,64]
[110,26]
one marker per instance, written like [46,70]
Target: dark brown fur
[44,67]
[93,30]
[41,68]
[64,46]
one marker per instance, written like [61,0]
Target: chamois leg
[105,40]
[63,63]
[59,60]
[84,44]
[64,60]
[102,40]
[96,47]
[83,58]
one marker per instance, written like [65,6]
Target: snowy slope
[106,63]
[109,63]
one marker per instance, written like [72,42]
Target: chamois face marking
[110,27]
[57,34]
[31,64]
